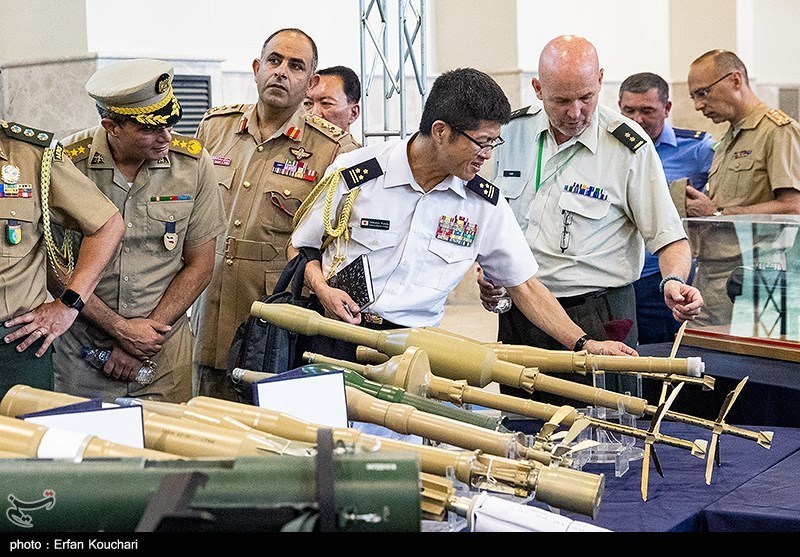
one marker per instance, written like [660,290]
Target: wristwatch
[718,212]
[71,299]
[580,343]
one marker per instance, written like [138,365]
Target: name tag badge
[221,161]
[511,173]
[170,237]
[375,224]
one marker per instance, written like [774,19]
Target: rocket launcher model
[162,433]
[458,358]
[29,440]
[412,372]
[559,487]
[408,420]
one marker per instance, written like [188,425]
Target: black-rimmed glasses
[484,147]
[702,93]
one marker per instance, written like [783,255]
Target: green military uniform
[263,180]
[755,157]
[174,203]
[73,200]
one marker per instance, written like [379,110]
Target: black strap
[292,275]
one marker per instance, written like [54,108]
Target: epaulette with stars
[778,116]
[79,150]
[331,130]
[484,188]
[187,145]
[27,134]
[692,134]
[362,172]
[628,137]
[225,109]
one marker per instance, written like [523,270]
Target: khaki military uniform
[263,181]
[173,204]
[73,200]
[755,157]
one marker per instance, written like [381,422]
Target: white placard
[317,398]
[118,424]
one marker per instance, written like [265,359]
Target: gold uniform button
[237,222]
[260,148]
[229,261]
[246,184]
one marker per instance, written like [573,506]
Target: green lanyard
[559,167]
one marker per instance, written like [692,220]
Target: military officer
[644,98]
[421,213]
[164,186]
[268,156]
[37,184]
[754,170]
[586,186]
[336,96]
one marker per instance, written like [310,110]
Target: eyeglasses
[702,93]
[484,147]
[567,220]
[288,205]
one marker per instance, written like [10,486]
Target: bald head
[568,54]
[568,84]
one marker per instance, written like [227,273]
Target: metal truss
[378,59]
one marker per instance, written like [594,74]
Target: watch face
[71,298]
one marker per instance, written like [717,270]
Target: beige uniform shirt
[755,157]
[263,181]
[74,201]
[174,203]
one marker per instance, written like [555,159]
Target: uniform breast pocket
[167,225]
[741,174]
[19,219]
[444,264]
[225,176]
[580,220]
[374,240]
[511,187]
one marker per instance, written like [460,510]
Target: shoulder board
[628,137]
[520,112]
[24,133]
[778,116]
[225,109]
[79,150]
[362,172]
[693,134]
[187,145]
[331,130]
[484,188]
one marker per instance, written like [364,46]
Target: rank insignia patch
[295,169]
[456,230]
[293,133]
[628,137]
[588,191]
[362,172]
[484,188]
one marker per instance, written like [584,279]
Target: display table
[771,395]
[752,490]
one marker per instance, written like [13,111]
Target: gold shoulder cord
[55,255]
[340,234]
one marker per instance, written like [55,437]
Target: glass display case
[747,267]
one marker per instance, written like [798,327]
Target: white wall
[41,29]
[630,35]
[233,30]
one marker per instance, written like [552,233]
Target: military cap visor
[140,89]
